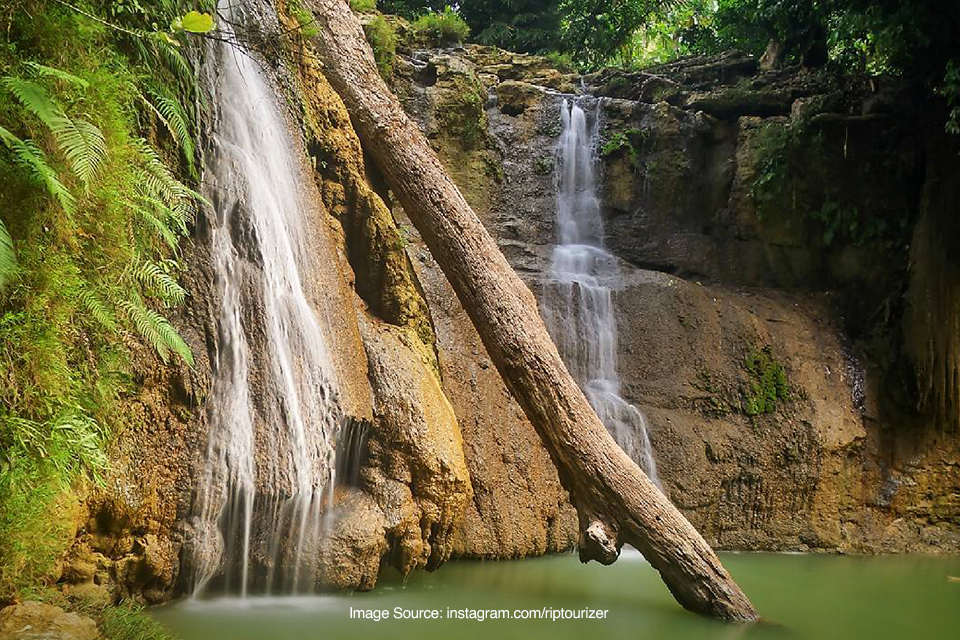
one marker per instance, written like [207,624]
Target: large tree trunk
[615,500]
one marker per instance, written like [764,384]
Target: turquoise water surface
[808,597]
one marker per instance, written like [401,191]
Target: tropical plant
[383,40]
[598,29]
[80,141]
[8,257]
[441,28]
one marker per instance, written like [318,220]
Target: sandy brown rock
[415,468]
[519,507]
[37,621]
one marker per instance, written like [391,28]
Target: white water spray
[269,468]
[579,310]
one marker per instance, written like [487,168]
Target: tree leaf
[196,22]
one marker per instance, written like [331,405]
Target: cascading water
[579,310]
[269,467]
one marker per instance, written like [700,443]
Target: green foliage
[772,147]
[131,621]
[767,384]
[171,113]
[950,90]
[363,6]
[127,620]
[562,62]
[669,32]
[194,22]
[463,117]
[441,29]
[544,166]
[155,329]
[305,19]
[598,29]
[90,271]
[847,223]
[383,40]
[782,153]
[622,142]
[27,154]
[8,257]
[531,26]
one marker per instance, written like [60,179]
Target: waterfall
[269,466]
[579,309]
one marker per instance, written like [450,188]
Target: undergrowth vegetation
[383,40]
[97,143]
[441,28]
[768,382]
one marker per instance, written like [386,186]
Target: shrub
[562,62]
[441,29]
[383,40]
[363,6]
[304,18]
[768,382]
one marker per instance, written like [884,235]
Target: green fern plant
[8,257]
[156,329]
[156,223]
[80,141]
[27,154]
[57,74]
[69,441]
[97,309]
[157,279]
[171,113]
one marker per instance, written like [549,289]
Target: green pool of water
[799,596]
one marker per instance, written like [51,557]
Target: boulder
[38,621]
[516,96]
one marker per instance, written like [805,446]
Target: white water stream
[579,310]
[269,466]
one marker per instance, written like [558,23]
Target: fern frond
[8,257]
[158,180]
[33,97]
[97,309]
[158,225]
[59,74]
[77,440]
[175,119]
[180,215]
[177,64]
[156,330]
[82,143]
[29,155]
[153,276]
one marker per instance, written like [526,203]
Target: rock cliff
[749,303]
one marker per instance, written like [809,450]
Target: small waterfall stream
[274,417]
[579,287]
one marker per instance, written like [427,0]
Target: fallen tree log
[615,500]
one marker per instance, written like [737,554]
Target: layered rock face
[747,315]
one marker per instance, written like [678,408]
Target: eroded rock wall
[734,275]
